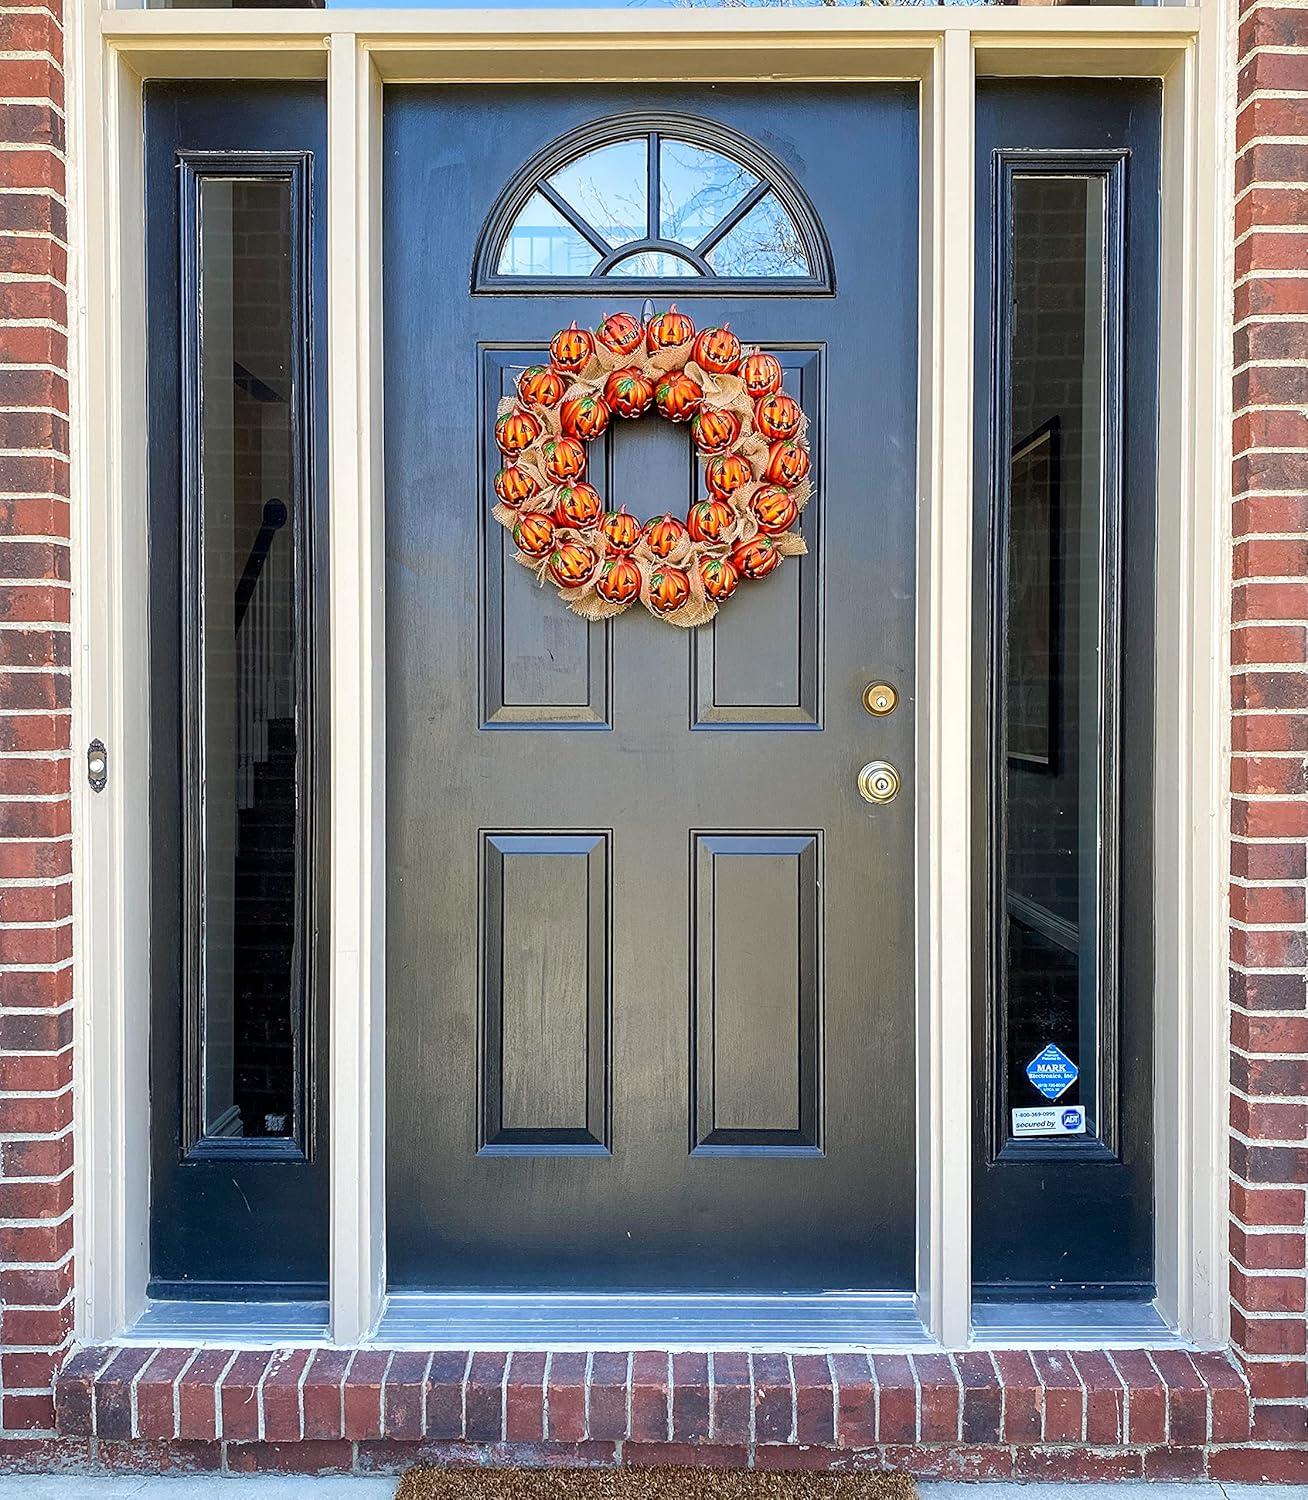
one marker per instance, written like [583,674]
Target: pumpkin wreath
[746,429]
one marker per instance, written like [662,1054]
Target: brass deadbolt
[879,698]
[878,782]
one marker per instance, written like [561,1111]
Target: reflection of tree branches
[724,184]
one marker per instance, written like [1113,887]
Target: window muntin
[653,204]
[245,678]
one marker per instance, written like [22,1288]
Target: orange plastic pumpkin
[664,535]
[777,415]
[669,330]
[516,430]
[514,485]
[570,348]
[533,533]
[584,416]
[709,520]
[578,505]
[629,392]
[619,581]
[565,458]
[620,333]
[677,396]
[720,578]
[717,350]
[572,563]
[714,431]
[774,509]
[542,385]
[788,462]
[761,373]
[669,589]
[755,558]
[726,473]
[621,529]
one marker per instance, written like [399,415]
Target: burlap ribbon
[720,393]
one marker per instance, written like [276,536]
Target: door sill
[638,1320]
[1105,1324]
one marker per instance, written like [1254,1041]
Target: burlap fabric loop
[577,559]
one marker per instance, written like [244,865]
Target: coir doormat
[672,1483]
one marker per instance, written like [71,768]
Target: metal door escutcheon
[879,698]
[878,781]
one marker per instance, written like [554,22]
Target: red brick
[856,1417]
[941,1399]
[685,1456]
[291,1458]
[773,1398]
[1279,1424]
[363,1394]
[444,1411]
[566,1404]
[484,1397]
[1267,1335]
[1078,1465]
[1105,1398]
[322,1394]
[1023,1399]
[982,1397]
[1277,1380]
[896,1398]
[1267,1252]
[729,1373]
[238,1398]
[1268,1206]
[156,1415]
[524,1398]
[197,1395]
[606,1418]
[281,1396]
[1260,1465]
[815,1419]
[946,1461]
[691,1398]
[113,1393]
[1064,1398]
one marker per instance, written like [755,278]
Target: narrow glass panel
[764,243]
[698,188]
[609,188]
[653,263]
[543,243]
[1054,529]
[247,643]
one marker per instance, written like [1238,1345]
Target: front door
[650,990]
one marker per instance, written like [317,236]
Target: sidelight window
[245,683]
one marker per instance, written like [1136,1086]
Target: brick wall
[1269,652]
[36,1267]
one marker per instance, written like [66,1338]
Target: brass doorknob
[878,781]
[879,698]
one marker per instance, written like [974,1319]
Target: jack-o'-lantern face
[774,509]
[677,397]
[629,392]
[542,385]
[572,563]
[664,535]
[620,333]
[621,530]
[516,430]
[514,485]
[669,330]
[788,462]
[618,581]
[571,348]
[714,431]
[710,520]
[669,588]
[755,558]
[564,458]
[777,415]
[720,578]
[726,473]
[584,416]
[761,373]
[579,506]
[533,534]
[717,350]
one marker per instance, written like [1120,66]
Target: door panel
[650,955]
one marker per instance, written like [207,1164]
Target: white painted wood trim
[358,693]
[944,791]
[111,850]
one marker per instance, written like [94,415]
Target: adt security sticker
[1052,1072]
[1067,1119]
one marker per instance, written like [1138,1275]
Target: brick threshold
[1097,1414]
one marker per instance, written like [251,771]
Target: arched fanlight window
[652,200]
